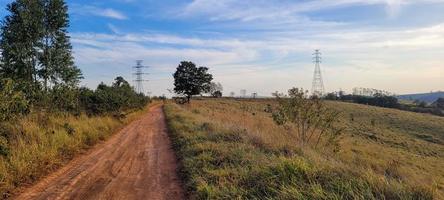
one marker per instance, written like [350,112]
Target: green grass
[40,143]
[233,150]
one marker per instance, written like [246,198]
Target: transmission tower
[139,76]
[317,88]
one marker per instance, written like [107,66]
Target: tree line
[388,101]
[37,69]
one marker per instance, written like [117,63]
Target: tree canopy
[190,80]
[36,50]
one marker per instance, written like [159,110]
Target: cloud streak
[250,10]
[97,11]
[367,55]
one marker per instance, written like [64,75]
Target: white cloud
[249,10]
[366,56]
[96,11]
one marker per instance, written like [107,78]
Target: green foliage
[376,100]
[64,98]
[190,80]
[312,119]
[111,99]
[20,42]
[57,63]
[35,47]
[12,103]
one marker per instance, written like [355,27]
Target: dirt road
[136,163]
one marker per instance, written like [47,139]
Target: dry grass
[232,149]
[41,142]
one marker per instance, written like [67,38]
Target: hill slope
[427,97]
[232,149]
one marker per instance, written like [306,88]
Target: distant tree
[232,94]
[216,89]
[118,97]
[383,100]
[331,96]
[439,103]
[420,103]
[217,94]
[311,119]
[120,82]
[190,80]
[277,94]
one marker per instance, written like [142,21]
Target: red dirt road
[136,163]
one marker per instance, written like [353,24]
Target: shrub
[64,98]
[12,102]
[312,119]
[111,99]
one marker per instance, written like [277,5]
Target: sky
[262,46]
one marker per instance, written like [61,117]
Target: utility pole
[139,76]
[317,88]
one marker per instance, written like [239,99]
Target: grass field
[39,143]
[232,149]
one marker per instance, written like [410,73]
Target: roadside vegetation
[45,117]
[234,149]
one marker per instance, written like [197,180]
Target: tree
[57,62]
[331,96]
[190,80]
[21,34]
[216,89]
[35,46]
[311,119]
[118,97]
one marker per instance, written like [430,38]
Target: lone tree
[311,120]
[190,80]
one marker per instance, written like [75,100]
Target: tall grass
[41,142]
[233,150]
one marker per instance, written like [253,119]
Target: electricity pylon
[317,88]
[139,76]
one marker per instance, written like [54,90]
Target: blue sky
[263,45]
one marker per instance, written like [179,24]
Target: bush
[376,100]
[111,99]
[312,119]
[12,103]
[64,98]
